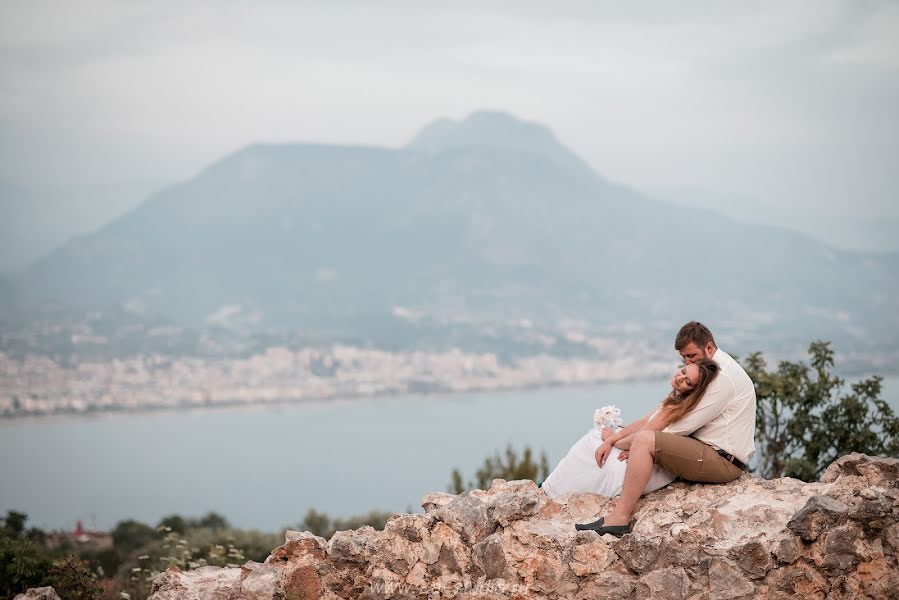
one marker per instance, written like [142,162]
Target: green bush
[805,419]
[321,524]
[22,565]
[129,535]
[508,467]
[73,579]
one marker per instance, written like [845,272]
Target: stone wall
[751,538]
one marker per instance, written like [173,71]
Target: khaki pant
[693,460]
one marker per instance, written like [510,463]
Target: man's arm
[716,398]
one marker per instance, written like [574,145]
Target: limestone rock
[433,501]
[261,581]
[862,465]
[468,516]
[818,514]
[39,593]
[198,584]
[669,583]
[750,538]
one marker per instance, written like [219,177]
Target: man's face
[691,353]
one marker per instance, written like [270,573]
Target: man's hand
[602,453]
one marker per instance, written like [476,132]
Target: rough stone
[592,557]
[819,513]
[488,555]
[798,580]
[727,581]
[777,539]
[857,464]
[874,580]
[669,583]
[873,514]
[39,593]
[637,552]
[433,501]
[468,516]
[354,547]
[754,558]
[411,527]
[197,584]
[840,551]
[510,501]
[788,550]
[891,539]
[261,581]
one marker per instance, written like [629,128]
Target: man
[710,444]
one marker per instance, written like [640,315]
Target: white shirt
[725,415]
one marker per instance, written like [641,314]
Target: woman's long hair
[677,404]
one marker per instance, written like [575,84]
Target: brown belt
[732,459]
[725,455]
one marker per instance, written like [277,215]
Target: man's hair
[695,332]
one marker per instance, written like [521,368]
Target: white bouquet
[607,417]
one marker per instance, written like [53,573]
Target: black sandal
[589,526]
[600,529]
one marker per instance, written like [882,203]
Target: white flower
[607,417]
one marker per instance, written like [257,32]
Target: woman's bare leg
[639,470]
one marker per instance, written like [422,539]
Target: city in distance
[481,255]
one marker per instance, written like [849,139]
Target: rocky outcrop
[751,538]
[39,593]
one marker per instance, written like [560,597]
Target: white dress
[579,473]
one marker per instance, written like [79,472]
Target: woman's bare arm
[658,423]
[614,438]
[626,431]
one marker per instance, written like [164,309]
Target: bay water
[264,467]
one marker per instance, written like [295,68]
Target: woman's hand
[623,455]
[607,433]
[602,453]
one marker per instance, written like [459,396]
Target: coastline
[164,409]
[97,415]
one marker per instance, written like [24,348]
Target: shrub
[507,467]
[805,419]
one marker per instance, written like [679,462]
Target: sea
[265,467]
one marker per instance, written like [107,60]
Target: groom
[720,428]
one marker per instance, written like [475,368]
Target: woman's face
[686,379]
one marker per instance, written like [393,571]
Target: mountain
[7,292]
[489,218]
[38,218]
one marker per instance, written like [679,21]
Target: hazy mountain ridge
[8,292]
[38,217]
[490,218]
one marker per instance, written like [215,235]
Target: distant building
[80,538]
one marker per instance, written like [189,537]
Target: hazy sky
[768,111]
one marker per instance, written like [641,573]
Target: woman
[579,471]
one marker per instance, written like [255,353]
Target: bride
[580,470]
